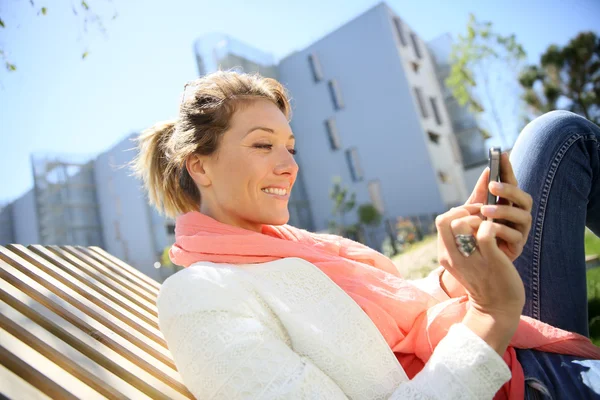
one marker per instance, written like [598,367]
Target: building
[132,229]
[466,128]
[368,107]
[65,200]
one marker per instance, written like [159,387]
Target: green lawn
[592,247]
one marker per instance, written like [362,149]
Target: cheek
[243,174]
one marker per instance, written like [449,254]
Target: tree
[88,16]
[369,217]
[343,203]
[483,75]
[567,77]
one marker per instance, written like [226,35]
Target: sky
[133,76]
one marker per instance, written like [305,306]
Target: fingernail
[488,209]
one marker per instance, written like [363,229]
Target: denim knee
[555,126]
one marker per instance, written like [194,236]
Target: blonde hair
[205,113]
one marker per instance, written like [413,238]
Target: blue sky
[133,77]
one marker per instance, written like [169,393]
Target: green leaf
[85,5]
[84,55]
[484,134]
[2,23]
[11,67]
[471,32]
[44,10]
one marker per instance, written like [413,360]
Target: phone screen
[494,165]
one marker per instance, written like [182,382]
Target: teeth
[280,192]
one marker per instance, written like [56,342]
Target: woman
[265,310]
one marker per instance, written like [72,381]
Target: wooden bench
[76,322]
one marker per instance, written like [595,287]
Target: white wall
[25,224]
[128,227]
[472,175]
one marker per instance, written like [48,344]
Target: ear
[196,167]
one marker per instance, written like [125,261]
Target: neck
[225,218]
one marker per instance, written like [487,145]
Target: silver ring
[466,244]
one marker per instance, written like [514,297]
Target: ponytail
[170,188]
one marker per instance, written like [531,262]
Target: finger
[445,234]
[473,209]
[480,190]
[466,225]
[513,194]
[509,235]
[506,170]
[486,241]
[515,215]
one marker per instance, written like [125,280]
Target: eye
[293,151]
[263,146]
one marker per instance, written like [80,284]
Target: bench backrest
[76,322]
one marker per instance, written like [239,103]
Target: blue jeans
[557,161]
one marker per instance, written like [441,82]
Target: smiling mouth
[276,191]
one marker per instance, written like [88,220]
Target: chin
[278,219]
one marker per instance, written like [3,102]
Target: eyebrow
[263,128]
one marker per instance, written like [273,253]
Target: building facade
[466,128]
[368,108]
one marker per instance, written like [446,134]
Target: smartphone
[494,165]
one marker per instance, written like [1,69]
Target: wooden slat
[110,273]
[33,376]
[99,357]
[48,281]
[123,273]
[109,305]
[96,353]
[79,323]
[58,358]
[15,387]
[88,314]
[96,285]
[129,268]
[148,305]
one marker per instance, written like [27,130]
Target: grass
[415,246]
[592,247]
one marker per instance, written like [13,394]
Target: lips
[276,191]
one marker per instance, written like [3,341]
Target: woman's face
[247,182]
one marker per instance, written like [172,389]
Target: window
[415,43]
[375,194]
[436,111]
[315,67]
[444,178]
[434,137]
[332,134]
[354,164]
[400,31]
[336,95]
[419,95]
[415,66]
[170,229]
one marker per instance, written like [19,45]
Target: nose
[286,164]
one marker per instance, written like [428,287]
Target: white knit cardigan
[284,330]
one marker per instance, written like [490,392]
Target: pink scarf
[411,320]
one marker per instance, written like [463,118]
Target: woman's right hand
[494,287]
